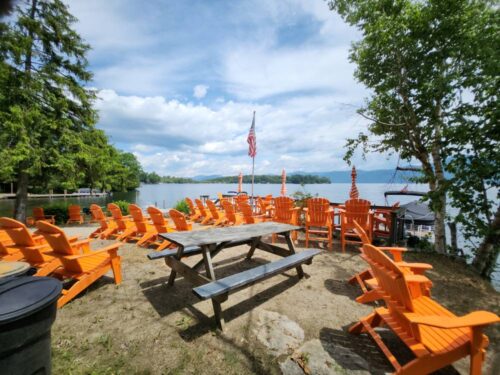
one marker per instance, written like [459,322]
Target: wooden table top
[218,235]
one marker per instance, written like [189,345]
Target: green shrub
[123,206]
[59,210]
[182,206]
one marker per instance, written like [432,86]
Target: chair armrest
[396,252]
[418,279]
[416,266]
[108,249]
[476,318]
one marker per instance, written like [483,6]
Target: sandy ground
[145,327]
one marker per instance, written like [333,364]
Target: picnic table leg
[173,273]
[291,247]
[255,242]
[219,319]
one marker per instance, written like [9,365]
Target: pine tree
[45,106]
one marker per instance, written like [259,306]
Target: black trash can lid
[23,296]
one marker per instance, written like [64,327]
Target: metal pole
[253,168]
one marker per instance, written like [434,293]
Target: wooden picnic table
[211,241]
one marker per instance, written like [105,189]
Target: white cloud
[288,60]
[200,91]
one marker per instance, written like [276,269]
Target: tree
[420,60]
[44,104]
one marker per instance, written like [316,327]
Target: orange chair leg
[117,269]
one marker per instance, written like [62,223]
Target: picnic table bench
[210,242]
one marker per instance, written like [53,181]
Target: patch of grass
[184,322]
[105,341]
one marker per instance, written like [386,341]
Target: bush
[123,206]
[182,206]
[59,210]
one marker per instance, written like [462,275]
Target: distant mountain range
[372,176]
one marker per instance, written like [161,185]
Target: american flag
[252,140]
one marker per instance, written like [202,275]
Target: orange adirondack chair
[161,226]
[248,216]
[106,227]
[218,216]
[206,216]
[78,262]
[366,279]
[435,335]
[32,248]
[232,217]
[194,213]
[39,214]
[144,231]
[265,207]
[179,220]
[124,226]
[319,221]
[7,252]
[355,210]
[285,212]
[382,221]
[240,198]
[75,214]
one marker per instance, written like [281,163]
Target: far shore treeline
[154,178]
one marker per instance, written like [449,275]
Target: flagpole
[253,164]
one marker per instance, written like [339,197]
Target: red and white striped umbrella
[354,194]
[240,183]
[283,183]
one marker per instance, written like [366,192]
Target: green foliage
[182,206]
[177,180]
[150,178]
[59,210]
[123,206]
[432,69]
[301,198]
[272,179]
[48,138]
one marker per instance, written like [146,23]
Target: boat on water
[416,216]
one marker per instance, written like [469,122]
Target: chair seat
[438,339]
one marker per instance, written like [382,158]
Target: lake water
[166,195]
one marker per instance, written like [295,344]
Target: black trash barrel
[28,308]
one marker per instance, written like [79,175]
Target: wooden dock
[68,195]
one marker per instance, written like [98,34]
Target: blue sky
[178,82]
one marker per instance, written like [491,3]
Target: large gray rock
[277,333]
[320,358]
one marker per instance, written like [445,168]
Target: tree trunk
[21,196]
[486,255]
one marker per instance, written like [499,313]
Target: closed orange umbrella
[354,193]
[283,183]
[240,183]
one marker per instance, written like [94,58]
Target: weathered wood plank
[173,252]
[217,235]
[251,276]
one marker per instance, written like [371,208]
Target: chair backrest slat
[158,219]
[283,209]
[201,207]
[213,209]
[192,210]
[138,218]
[317,211]
[17,232]
[179,220]
[229,210]
[38,213]
[389,277]
[359,210]
[247,212]
[56,238]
